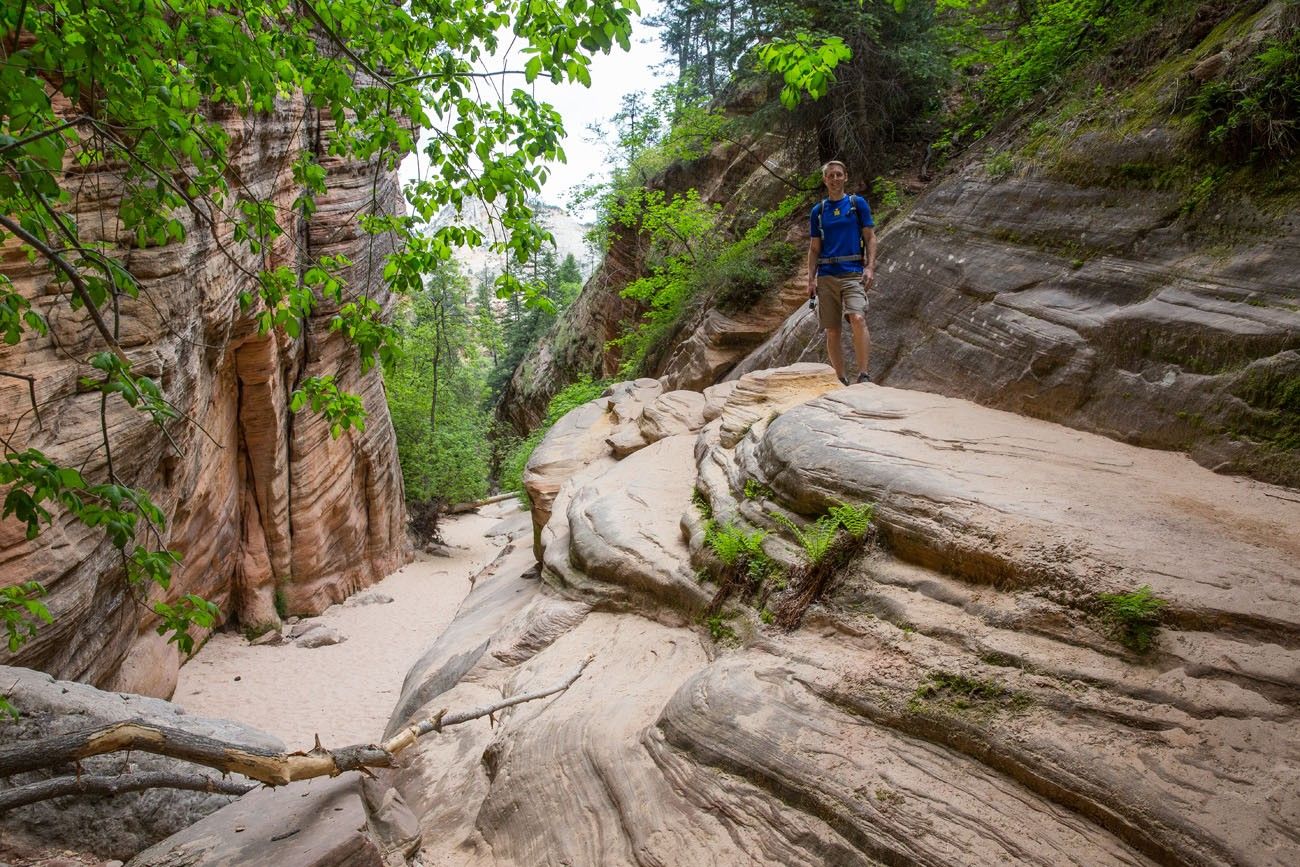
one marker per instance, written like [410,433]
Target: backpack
[853,208]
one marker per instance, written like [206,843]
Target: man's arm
[815,250]
[869,244]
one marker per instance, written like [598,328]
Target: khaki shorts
[838,296]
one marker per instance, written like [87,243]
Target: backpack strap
[853,206]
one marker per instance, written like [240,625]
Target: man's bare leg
[835,351]
[861,342]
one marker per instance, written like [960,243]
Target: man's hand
[868,277]
[812,287]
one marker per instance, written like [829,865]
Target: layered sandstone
[955,697]
[268,511]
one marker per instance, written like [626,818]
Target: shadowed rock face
[955,697]
[259,501]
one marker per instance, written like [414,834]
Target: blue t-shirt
[841,233]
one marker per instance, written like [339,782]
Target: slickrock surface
[996,498]
[259,501]
[578,445]
[107,827]
[955,697]
[675,412]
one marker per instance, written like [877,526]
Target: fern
[731,543]
[856,520]
[816,538]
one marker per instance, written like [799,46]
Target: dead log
[265,766]
[88,785]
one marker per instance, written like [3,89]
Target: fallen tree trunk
[461,508]
[265,766]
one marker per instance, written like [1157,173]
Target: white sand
[343,692]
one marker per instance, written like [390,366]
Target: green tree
[559,285]
[136,89]
[436,393]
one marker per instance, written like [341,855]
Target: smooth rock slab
[624,533]
[762,395]
[897,799]
[998,498]
[319,636]
[671,414]
[577,444]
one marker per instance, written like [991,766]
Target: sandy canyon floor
[343,692]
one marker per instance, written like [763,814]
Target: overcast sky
[612,76]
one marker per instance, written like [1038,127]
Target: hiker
[843,241]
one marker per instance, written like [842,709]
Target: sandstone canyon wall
[1066,270]
[270,513]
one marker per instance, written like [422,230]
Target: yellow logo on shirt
[837,212]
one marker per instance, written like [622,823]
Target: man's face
[835,176]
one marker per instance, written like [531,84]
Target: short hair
[830,163]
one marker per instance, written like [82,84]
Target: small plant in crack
[720,630]
[1134,617]
[702,505]
[732,544]
[888,797]
[746,568]
[955,691]
[829,544]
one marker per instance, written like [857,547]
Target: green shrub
[702,505]
[1135,616]
[885,194]
[756,490]
[1254,111]
[689,260]
[818,538]
[855,520]
[1000,165]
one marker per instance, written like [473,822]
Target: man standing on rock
[842,267]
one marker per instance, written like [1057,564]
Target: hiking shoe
[862,377]
[843,380]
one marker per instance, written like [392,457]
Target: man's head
[834,176]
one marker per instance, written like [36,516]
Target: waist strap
[835,260]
